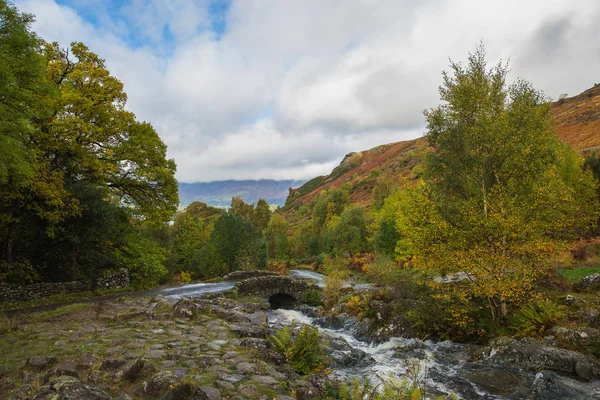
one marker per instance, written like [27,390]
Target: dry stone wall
[12,292]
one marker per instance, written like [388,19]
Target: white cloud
[290,87]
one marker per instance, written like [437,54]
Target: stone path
[147,348]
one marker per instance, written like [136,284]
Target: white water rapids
[403,358]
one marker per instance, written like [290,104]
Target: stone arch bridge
[281,291]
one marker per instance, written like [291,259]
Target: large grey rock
[185,308]
[521,355]
[246,368]
[499,381]
[248,330]
[70,388]
[137,369]
[207,393]
[581,337]
[112,364]
[38,363]
[264,350]
[590,280]
[67,368]
[178,392]
[159,384]
[249,390]
[266,380]
[342,355]
[305,391]
[550,386]
[230,315]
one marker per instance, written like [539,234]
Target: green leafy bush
[312,298]
[21,272]
[304,351]
[535,318]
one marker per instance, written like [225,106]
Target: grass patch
[63,298]
[44,316]
[575,274]
[12,323]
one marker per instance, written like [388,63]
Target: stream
[435,365]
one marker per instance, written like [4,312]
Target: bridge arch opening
[282,300]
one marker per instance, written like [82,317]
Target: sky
[283,89]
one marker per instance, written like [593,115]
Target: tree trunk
[73,262]
[497,309]
[493,309]
[502,309]
[10,237]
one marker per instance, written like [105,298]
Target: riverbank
[206,335]
[170,347]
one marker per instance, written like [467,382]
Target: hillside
[219,193]
[577,119]
[362,170]
[577,122]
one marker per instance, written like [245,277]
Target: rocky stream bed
[179,345]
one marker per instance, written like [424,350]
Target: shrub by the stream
[303,351]
[534,319]
[312,298]
[357,305]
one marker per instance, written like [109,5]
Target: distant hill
[576,122]
[577,119]
[219,193]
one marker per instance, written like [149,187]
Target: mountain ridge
[219,193]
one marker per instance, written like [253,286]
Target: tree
[24,95]
[277,238]
[261,215]
[81,179]
[144,259]
[347,234]
[386,233]
[21,89]
[381,191]
[237,243]
[241,208]
[502,193]
[95,139]
[190,234]
[88,137]
[330,203]
[300,244]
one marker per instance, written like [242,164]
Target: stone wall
[13,292]
[113,279]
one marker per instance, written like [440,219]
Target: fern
[534,319]
[282,339]
[304,352]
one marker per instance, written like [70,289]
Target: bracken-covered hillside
[362,170]
[576,119]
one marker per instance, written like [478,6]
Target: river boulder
[530,356]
